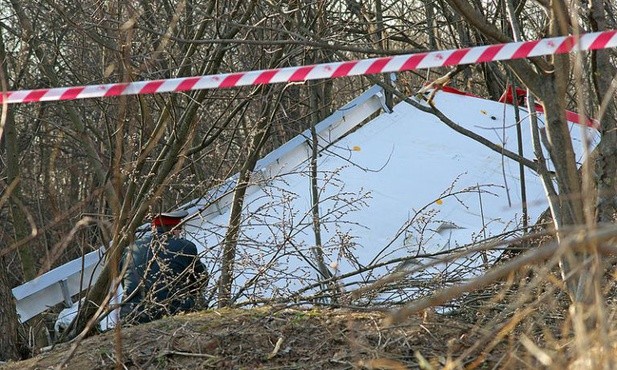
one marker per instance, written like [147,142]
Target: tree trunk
[603,72]
[317,249]
[235,214]
[9,340]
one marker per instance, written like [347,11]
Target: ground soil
[267,338]
[522,323]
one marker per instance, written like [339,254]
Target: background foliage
[76,175]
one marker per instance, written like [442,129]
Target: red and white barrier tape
[478,54]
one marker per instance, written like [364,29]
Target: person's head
[169,221]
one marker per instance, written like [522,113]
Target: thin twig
[186,354]
[535,256]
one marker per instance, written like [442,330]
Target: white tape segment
[399,63]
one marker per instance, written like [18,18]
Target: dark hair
[167,228]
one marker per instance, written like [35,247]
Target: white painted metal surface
[57,285]
[64,282]
[396,186]
[403,185]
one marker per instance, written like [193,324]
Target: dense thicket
[79,174]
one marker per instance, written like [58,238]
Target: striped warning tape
[478,54]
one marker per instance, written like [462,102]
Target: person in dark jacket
[163,272]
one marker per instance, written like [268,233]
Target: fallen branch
[277,348]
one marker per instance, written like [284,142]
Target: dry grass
[523,320]
[521,323]
[267,338]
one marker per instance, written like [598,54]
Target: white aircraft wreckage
[397,190]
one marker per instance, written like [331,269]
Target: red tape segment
[399,63]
